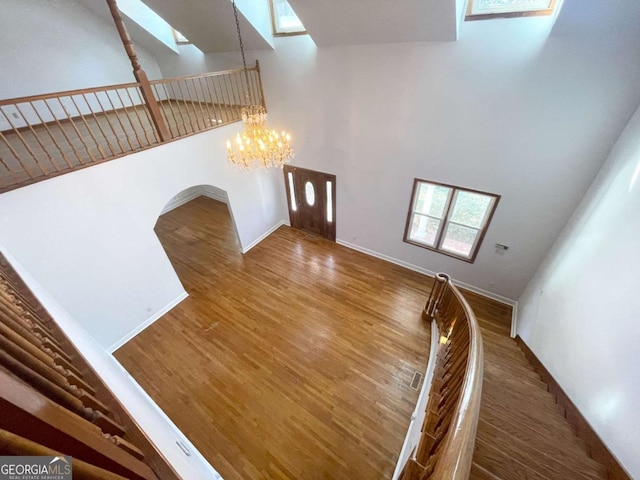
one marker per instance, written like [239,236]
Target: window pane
[424,229]
[459,239]
[470,208]
[498,6]
[432,199]
[286,20]
[329,202]
[309,193]
[292,192]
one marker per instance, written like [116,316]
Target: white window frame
[279,32]
[445,221]
[473,14]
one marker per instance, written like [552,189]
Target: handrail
[446,446]
[202,75]
[42,136]
[66,93]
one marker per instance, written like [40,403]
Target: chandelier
[256,145]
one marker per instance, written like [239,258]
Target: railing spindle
[98,124]
[73,125]
[62,130]
[86,125]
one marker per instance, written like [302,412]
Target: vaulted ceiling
[210,24]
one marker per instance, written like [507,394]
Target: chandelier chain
[248,92]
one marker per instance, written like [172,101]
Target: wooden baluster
[137,114]
[53,139]
[107,118]
[75,129]
[182,108]
[219,113]
[127,115]
[213,122]
[44,365]
[86,125]
[26,145]
[98,124]
[11,444]
[171,108]
[37,137]
[202,114]
[189,103]
[117,116]
[217,90]
[62,130]
[128,447]
[32,414]
[13,152]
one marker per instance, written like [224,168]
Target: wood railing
[446,445]
[53,403]
[43,136]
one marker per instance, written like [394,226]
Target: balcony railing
[443,444]
[43,136]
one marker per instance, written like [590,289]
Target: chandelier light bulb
[257,144]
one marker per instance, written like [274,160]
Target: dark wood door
[311,197]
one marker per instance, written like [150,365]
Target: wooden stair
[522,433]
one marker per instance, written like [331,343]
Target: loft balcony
[43,136]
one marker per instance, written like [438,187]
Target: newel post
[139,73]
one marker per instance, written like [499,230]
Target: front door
[311,197]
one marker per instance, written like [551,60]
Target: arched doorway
[197,230]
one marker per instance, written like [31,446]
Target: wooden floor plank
[292,361]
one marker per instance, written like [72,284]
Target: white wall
[580,312]
[505,109]
[156,425]
[57,45]
[87,237]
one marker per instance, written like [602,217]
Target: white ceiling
[209,24]
[349,22]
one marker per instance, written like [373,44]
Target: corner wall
[87,237]
[580,313]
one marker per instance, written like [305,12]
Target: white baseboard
[146,323]
[263,236]
[425,271]
[193,193]
[214,193]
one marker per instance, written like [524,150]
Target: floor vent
[417,379]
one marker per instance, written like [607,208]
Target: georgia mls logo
[35,468]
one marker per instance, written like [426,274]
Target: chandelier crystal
[257,145]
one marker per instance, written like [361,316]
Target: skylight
[481,9]
[180,38]
[285,20]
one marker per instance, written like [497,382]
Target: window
[180,38]
[484,9]
[448,219]
[284,19]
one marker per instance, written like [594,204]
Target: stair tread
[545,450]
[479,473]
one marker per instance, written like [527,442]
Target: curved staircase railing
[446,442]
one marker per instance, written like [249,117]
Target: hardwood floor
[292,361]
